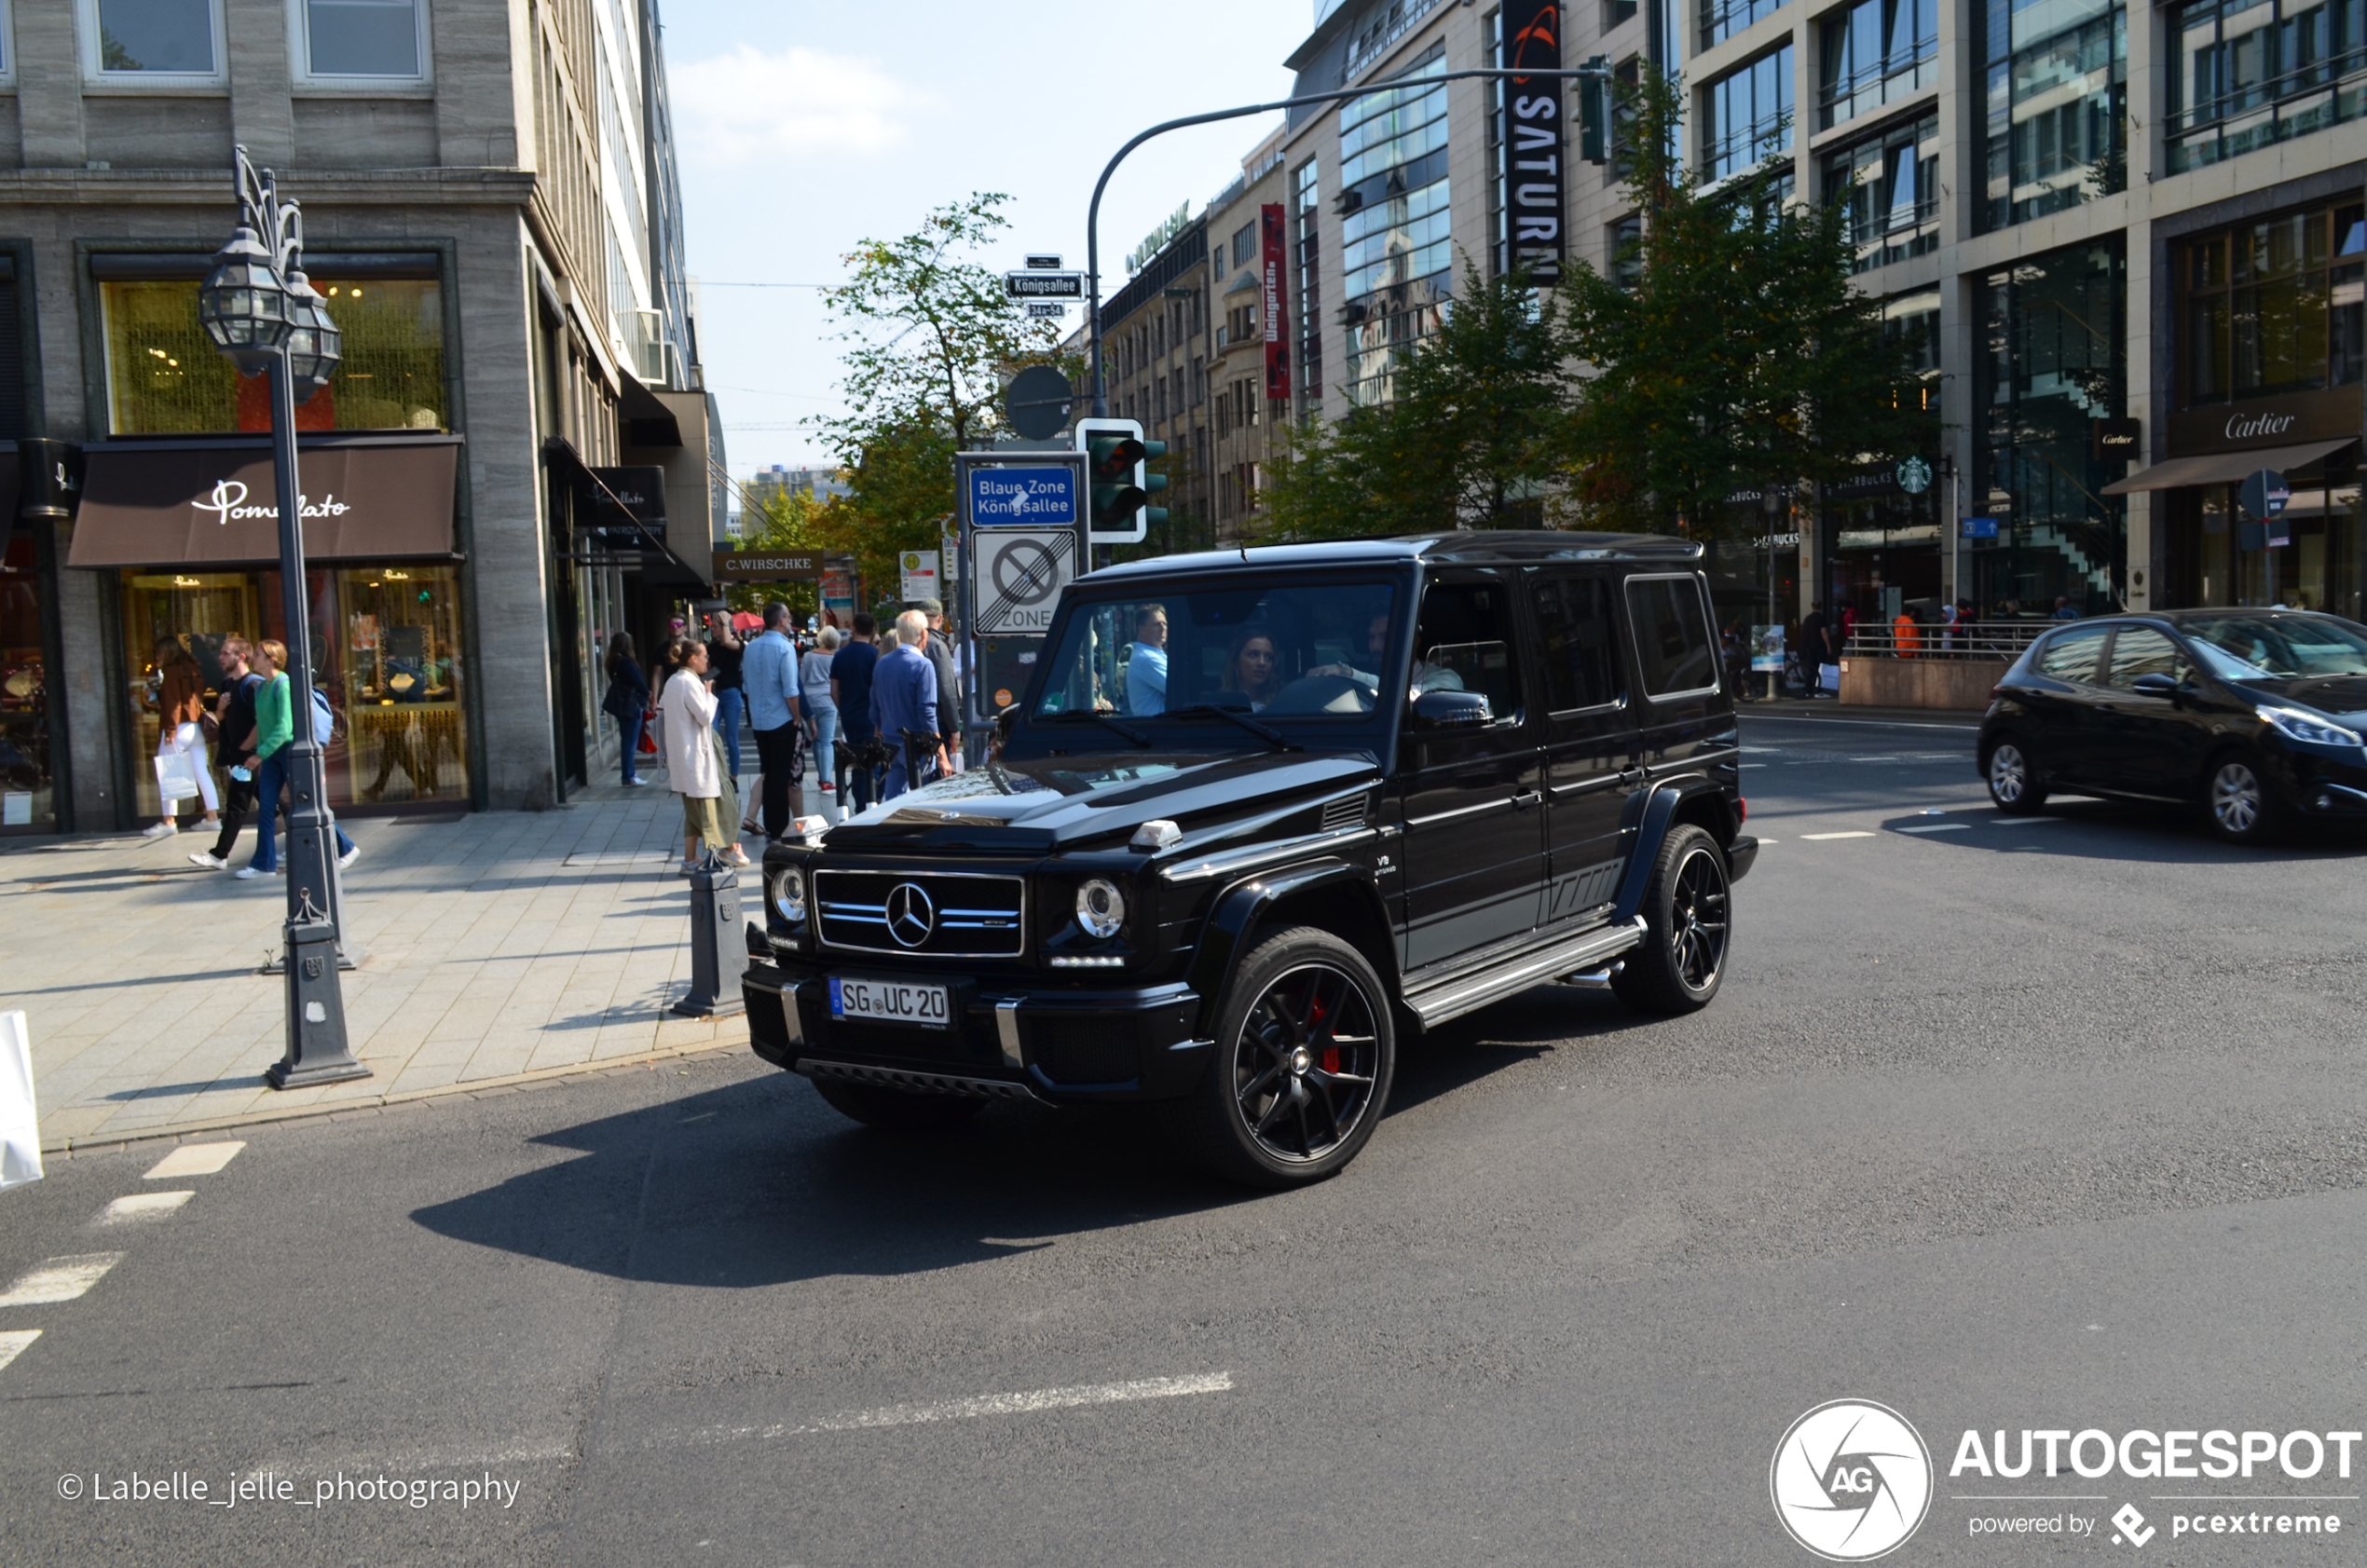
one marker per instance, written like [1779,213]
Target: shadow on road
[2124,831]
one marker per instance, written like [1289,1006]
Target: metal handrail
[1968,639]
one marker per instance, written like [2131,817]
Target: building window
[1722,19]
[1874,53]
[377,40]
[1306,215]
[1749,119]
[1623,252]
[2057,102]
[2249,73]
[169,43]
[2273,306]
[165,377]
[1891,186]
[1244,244]
[1500,231]
[1396,254]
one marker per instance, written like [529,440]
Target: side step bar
[921,1082]
[1464,993]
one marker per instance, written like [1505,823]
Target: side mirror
[2157,684]
[1452,709]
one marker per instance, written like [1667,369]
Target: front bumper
[1008,1041]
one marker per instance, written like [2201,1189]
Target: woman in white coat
[694,765]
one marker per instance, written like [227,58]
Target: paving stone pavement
[498,944]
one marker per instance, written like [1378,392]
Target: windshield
[1283,648]
[2282,647]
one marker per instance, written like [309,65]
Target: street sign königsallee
[1017,497]
[1045,285]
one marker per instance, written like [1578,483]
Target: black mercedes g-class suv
[1259,813]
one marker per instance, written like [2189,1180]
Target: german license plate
[894,1001]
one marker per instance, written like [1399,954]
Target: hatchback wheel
[2237,799]
[2013,782]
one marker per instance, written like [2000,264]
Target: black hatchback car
[2256,715]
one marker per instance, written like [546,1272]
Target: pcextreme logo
[1850,1479]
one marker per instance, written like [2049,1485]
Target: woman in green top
[274,729]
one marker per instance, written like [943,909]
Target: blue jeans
[729,703]
[271,777]
[628,730]
[825,718]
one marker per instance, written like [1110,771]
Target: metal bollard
[718,948]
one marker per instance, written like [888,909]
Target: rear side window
[1576,626]
[2073,655]
[1673,648]
[2140,650]
[1463,642]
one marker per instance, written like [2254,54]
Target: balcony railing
[2313,97]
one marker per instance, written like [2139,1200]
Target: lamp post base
[317,1050]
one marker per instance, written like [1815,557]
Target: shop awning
[213,504]
[2225,468]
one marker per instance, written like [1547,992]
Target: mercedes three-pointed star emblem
[911,916]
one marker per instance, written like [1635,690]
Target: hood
[1081,802]
[2342,696]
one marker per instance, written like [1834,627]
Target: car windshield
[2281,647]
[1164,657]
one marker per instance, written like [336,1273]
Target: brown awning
[201,504]
[2224,468]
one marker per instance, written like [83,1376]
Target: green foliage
[1736,355]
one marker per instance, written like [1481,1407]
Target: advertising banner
[1275,308]
[1532,133]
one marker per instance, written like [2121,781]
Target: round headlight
[789,896]
[1100,908]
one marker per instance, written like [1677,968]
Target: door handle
[1632,776]
[1527,799]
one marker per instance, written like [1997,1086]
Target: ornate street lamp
[257,308]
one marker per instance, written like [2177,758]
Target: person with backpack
[234,737]
[275,729]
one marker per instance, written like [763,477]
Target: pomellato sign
[2286,421]
[228,500]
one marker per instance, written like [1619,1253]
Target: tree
[1467,438]
[932,337]
[1735,353]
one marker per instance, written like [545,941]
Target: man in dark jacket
[949,681]
[234,748]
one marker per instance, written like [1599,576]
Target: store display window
[28,793]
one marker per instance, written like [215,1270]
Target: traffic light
[1595,111]
[1117,475]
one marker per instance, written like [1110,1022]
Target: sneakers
[634,784]
[348,857]
[209,862]
[164,829]
[689,866]
[828,787]
[247,873]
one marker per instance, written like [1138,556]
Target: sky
[804,128]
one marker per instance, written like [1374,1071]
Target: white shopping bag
[20,1124]
[1828,677]
[176,780]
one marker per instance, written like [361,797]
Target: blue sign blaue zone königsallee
[1034,497]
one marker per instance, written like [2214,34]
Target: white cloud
[748,104]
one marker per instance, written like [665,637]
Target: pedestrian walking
[181,765]
[2063,610]
[723,652]
[821,709]
[1815,648]
[234,748]
[769,675]
[851,670]
[904,705]
[627,703]
[938,648]
[694,759]
[275,728]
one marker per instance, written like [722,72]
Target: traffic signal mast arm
[1597,70]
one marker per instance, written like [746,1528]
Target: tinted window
[1574,627]
[2139,651]
[1463,642]
[1673,648]
[2073,655]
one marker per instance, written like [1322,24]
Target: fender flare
[1660,810]
[1223,935]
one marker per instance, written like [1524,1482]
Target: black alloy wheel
[1305,1051]
[2237,800]
[896,1109]
[2013,782]
[1687,917]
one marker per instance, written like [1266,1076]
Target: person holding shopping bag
[182,768]
[695,763]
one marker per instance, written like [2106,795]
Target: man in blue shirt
[851,690]
[768,675]
[1146,666]
[904,697]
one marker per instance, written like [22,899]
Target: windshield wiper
[1266,732]
[1073,714]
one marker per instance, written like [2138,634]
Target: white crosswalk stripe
[194,1159]
[13,1343]
[140,1207]
[60,1280]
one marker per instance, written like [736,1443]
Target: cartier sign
[2285,422]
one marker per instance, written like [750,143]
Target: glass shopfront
[28,784]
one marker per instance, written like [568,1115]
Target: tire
[1687,913]
[895,1110]
[1306,1050]
[2013,781]
[2236,802]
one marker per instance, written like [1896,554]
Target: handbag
[650,733]
[176,778]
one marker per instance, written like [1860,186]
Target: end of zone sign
[1015,496]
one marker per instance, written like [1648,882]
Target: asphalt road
[2051,1125]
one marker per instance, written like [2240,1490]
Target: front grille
[1346,813]
[931,914]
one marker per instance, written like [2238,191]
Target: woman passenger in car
[1249,669]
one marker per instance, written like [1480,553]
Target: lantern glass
[315,345]
[242,304]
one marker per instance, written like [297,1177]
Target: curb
[481,1088]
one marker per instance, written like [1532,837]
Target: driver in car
[1426,676]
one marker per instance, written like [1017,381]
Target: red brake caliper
[1331,1058]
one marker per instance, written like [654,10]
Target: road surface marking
[2025,822]
[193,1159]
[984,1404]
[1939,828]
[141,1206]
[60,1280]
[1876,760]
[13,1343]
[1820,838]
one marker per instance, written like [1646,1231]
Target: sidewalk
[497,943]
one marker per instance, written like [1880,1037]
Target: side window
[1576,627]
[1674,653]
[2140,650]
[2073,655]
[1463,642]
